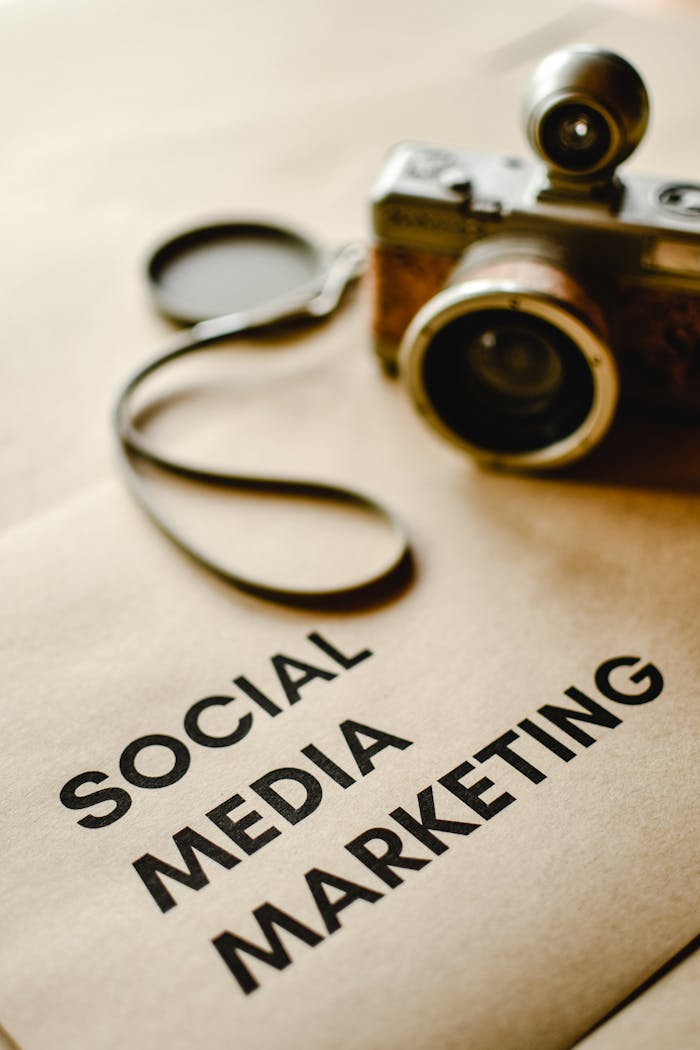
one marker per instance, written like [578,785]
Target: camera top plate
[230,266]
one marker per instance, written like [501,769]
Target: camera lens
[511,384]
[510,361]
[575,137]
[513,363]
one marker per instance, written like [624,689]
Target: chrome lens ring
[473,297]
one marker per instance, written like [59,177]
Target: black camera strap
[134,446]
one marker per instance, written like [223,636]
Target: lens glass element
[507,382]
[575,137]
[512,362]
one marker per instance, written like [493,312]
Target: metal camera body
[519,298]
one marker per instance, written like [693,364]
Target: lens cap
[227,267]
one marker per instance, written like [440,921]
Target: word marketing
[413,835]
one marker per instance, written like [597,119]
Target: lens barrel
[511,364]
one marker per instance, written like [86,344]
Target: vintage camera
[518,298]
